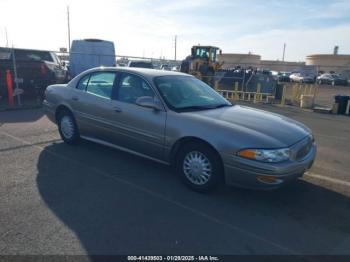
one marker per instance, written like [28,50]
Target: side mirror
[63,63]
[148,102]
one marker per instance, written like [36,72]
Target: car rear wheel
[199,166]
[68,128]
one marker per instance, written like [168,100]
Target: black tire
[66,115]
[216,174]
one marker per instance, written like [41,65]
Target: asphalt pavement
[94,200]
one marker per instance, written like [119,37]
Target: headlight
[266,155]
[312,138]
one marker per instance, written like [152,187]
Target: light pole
[7,39]
[68,29]
[175,45]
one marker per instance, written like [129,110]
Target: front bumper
[49,110]
[248,173]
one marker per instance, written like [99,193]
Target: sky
[147,28]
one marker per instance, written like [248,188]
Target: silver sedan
[176,119]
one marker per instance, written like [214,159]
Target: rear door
[91,101]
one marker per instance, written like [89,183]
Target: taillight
[43,69]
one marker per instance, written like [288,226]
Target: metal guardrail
[237,94]
[291,94]
[246,96]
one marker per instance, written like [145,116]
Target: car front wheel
[199,166]
[68,128]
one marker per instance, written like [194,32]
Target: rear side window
[101,84]
[33,55]
[83,83]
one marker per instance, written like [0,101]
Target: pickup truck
[36,69]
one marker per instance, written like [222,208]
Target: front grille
[304,150]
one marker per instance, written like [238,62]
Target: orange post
[9,87]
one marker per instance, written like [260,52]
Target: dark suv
[36,69]
[141,64]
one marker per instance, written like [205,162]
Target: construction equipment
[202,63]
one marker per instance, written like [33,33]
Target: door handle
[117,109]
[75,98]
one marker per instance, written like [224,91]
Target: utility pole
[175,45]
[15,74]
[7,39]
[68,29]
[284,51]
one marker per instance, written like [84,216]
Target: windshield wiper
[203,107]
[221,105]
[195,108]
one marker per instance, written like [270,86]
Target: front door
[138,128]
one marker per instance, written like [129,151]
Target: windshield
[187,93]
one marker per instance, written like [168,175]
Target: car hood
[268,129]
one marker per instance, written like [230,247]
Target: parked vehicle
[90,53]
[346,74]
[274,75]
[174,118]
[165,67]
[203,63]
[284,76]
[36,69]
[175,68]
[332,79]
[300,78]
[141,64]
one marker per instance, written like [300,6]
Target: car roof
[146,72]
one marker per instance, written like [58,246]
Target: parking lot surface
[90,199]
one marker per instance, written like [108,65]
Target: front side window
[132,87]
[101,84]
[55,58]
[202,53]
[186,93]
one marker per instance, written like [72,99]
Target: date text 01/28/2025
[173,258]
